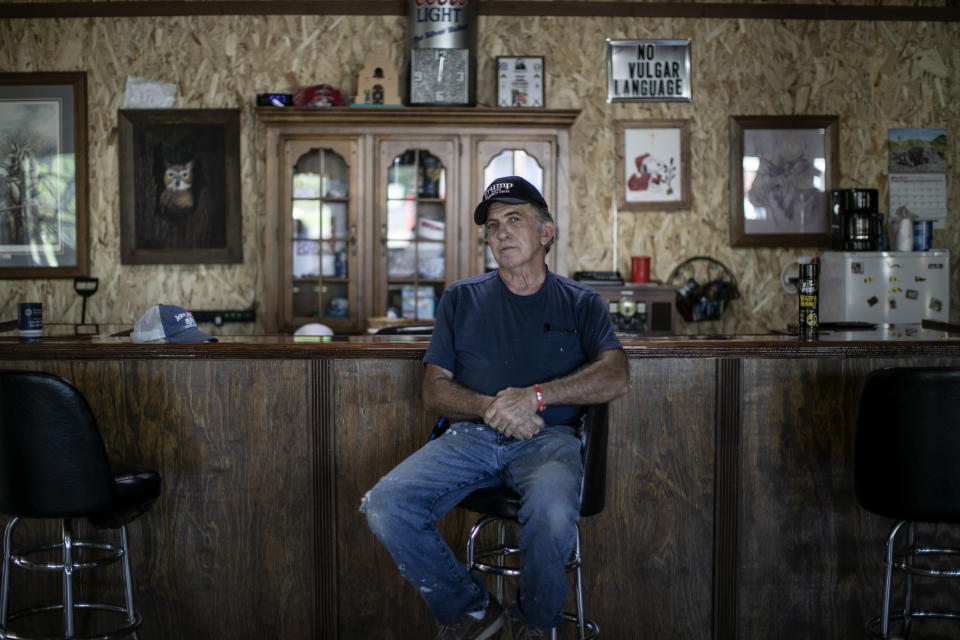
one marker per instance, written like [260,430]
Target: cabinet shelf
[322,199]
[389,117]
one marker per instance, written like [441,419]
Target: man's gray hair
[543,217]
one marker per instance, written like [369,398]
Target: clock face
[439,76]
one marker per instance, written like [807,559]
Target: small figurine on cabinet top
[377,83]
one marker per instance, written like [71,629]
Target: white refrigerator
[885,287]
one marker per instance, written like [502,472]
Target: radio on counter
[641,308]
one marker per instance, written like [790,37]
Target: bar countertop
[897,340]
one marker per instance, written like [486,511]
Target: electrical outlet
[219,317]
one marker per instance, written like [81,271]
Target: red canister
[640,269]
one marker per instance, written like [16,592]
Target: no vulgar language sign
[648,70]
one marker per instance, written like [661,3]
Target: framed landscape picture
[43,175]
[180,186]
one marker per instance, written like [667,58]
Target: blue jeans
[544,470]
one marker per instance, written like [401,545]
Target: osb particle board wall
[872,75]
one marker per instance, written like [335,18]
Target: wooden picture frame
[521,81]
[44,208]
[653,164]
[180,186]
[782,169]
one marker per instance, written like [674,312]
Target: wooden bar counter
[730,506]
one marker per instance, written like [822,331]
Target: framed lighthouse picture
[653,164]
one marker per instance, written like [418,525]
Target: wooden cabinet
[369,211]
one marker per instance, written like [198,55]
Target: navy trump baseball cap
[170,323]
[511,189]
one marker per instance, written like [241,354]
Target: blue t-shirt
[491,338]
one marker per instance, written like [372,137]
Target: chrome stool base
[21,557]
[122,632]
[903,561]
[477,561]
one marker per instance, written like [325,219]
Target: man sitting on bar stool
[514,355]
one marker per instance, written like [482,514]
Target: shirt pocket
[560,353]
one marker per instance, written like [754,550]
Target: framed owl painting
[180,186]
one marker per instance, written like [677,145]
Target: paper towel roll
[904,239]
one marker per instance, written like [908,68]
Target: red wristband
[540,405]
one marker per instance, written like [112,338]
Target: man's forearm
[446,396]
[599,381]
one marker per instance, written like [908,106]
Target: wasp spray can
[809,288]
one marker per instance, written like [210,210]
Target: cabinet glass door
[532,160]
[321,236]
[510,162]
[416,232]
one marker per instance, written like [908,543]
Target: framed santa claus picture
[653,164]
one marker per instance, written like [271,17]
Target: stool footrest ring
[920,552]
[591,628]
[943,615]
[112,553]
[121,632]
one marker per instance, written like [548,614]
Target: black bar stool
[500,505]
[53,464]
[906,468]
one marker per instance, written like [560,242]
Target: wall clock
[440,76]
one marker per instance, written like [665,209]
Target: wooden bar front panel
[656,528]
[730,509]
[228,549]
[648,555]
[380,418]
[810,559]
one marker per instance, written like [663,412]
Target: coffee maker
[855,223]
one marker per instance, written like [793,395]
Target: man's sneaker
[469,628]
[526,632]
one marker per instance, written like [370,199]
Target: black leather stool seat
[137,487]
[54,464]
[499,502]
[908,444]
